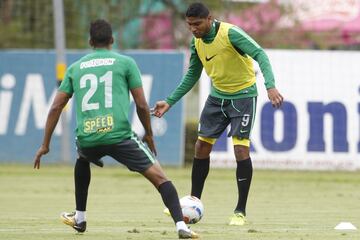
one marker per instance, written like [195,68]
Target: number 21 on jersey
[92,78]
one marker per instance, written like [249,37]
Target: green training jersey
[100,82]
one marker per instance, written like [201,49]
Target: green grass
[123,205]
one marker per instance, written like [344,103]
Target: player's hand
[150,142]
[161,107]
[275,97]
[42,151]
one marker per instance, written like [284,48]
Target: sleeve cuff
[64,91]
[170,102]
[270,85]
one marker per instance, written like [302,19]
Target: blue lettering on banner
[337,110]
[27,87]
[290,127]
[316,142]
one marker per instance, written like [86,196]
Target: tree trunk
[6,9]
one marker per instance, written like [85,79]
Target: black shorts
[133,153]
[218,113]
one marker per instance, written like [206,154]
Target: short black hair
[100,32]
[197,10]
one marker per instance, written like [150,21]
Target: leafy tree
[29,23]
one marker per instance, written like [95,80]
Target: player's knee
[160,180]
[155,175]
[202,149]
[241,152]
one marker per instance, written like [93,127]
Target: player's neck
[210,34]
[102,47]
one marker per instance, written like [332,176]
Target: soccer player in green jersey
[226,53]
[101,82]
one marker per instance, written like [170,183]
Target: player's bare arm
[275,97]
[60,101]
[143,112]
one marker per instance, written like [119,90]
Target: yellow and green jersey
[226,54]
[100,82]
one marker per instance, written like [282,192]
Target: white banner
[342,10]
[318,126]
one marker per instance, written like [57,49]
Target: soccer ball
[192,209]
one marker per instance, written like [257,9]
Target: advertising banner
[28,86]
[318,127]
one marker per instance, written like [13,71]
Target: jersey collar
[101,49]
[209,37]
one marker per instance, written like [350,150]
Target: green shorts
[218,113]
[132,152]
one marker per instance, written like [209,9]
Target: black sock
[82,177]
[244,172]
[171,200]
[200,170]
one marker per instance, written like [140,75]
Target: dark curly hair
[197,10]
[100,33]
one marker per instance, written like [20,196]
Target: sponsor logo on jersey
[99,124]
[208,59]
[97,62]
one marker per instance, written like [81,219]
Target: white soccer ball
[192,209]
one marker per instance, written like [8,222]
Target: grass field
[122,205]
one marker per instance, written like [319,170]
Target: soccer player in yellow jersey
[226,53]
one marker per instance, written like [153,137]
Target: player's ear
[91,42]
[111,40]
